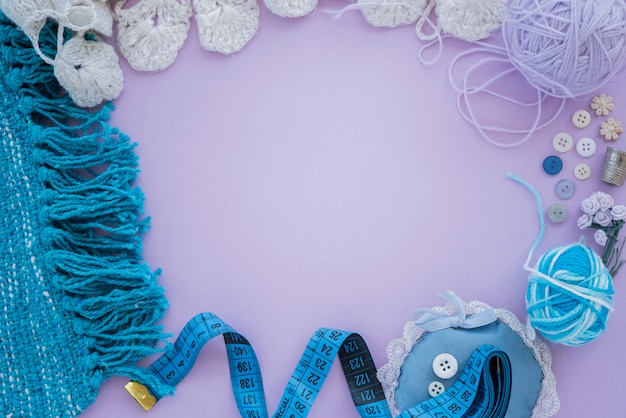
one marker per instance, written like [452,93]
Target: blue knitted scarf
[78,303]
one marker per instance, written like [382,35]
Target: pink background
[323,177]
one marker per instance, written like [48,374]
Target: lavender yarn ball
[566,48]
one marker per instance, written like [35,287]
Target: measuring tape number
[482,390]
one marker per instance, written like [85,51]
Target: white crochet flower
[89,71]
[390,13]
[602,104]
[611,129]
[226,26]
[88,79]
[471,20]
[150,33]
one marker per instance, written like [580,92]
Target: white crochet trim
[471,20]
[151,33]
[399,349]
[291,8]
[391,13]
[226,26]
[87,69]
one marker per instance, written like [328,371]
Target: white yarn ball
[226,26]
[471,20]
[89,71]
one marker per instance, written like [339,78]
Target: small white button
[436,388]
[562,142]
[582,171]
[581,118]
[445,366]
[586,147]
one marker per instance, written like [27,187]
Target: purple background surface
[323,177]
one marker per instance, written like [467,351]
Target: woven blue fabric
[78,303]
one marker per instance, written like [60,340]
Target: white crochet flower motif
[151,33]
[602,104]
[226,26]
[470,20]
[391,13]
[89,70]
[291,8]
[611,129]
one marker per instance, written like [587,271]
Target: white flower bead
[606,201]
[600,237]
[590,205]
[611,129]
[584,221]
[618,212]
[603,218]
[602,104]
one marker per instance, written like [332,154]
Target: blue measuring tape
[482,390]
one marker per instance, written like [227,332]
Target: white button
[562,142]
[581,118]
[436,388]
[582,171]
[586,147]
[445,366]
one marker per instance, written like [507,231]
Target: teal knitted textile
[78,303]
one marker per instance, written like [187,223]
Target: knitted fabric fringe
[80,305]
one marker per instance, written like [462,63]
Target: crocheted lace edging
[151,32]
[399,349]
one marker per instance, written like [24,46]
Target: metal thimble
[614,169]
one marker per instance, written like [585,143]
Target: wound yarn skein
[570,295]
[566,48]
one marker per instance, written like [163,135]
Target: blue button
[552,165]
[565,189]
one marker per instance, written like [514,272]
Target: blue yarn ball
[570,295]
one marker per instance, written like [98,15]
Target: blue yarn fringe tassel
[92,218]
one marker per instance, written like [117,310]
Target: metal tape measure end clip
[141,394]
